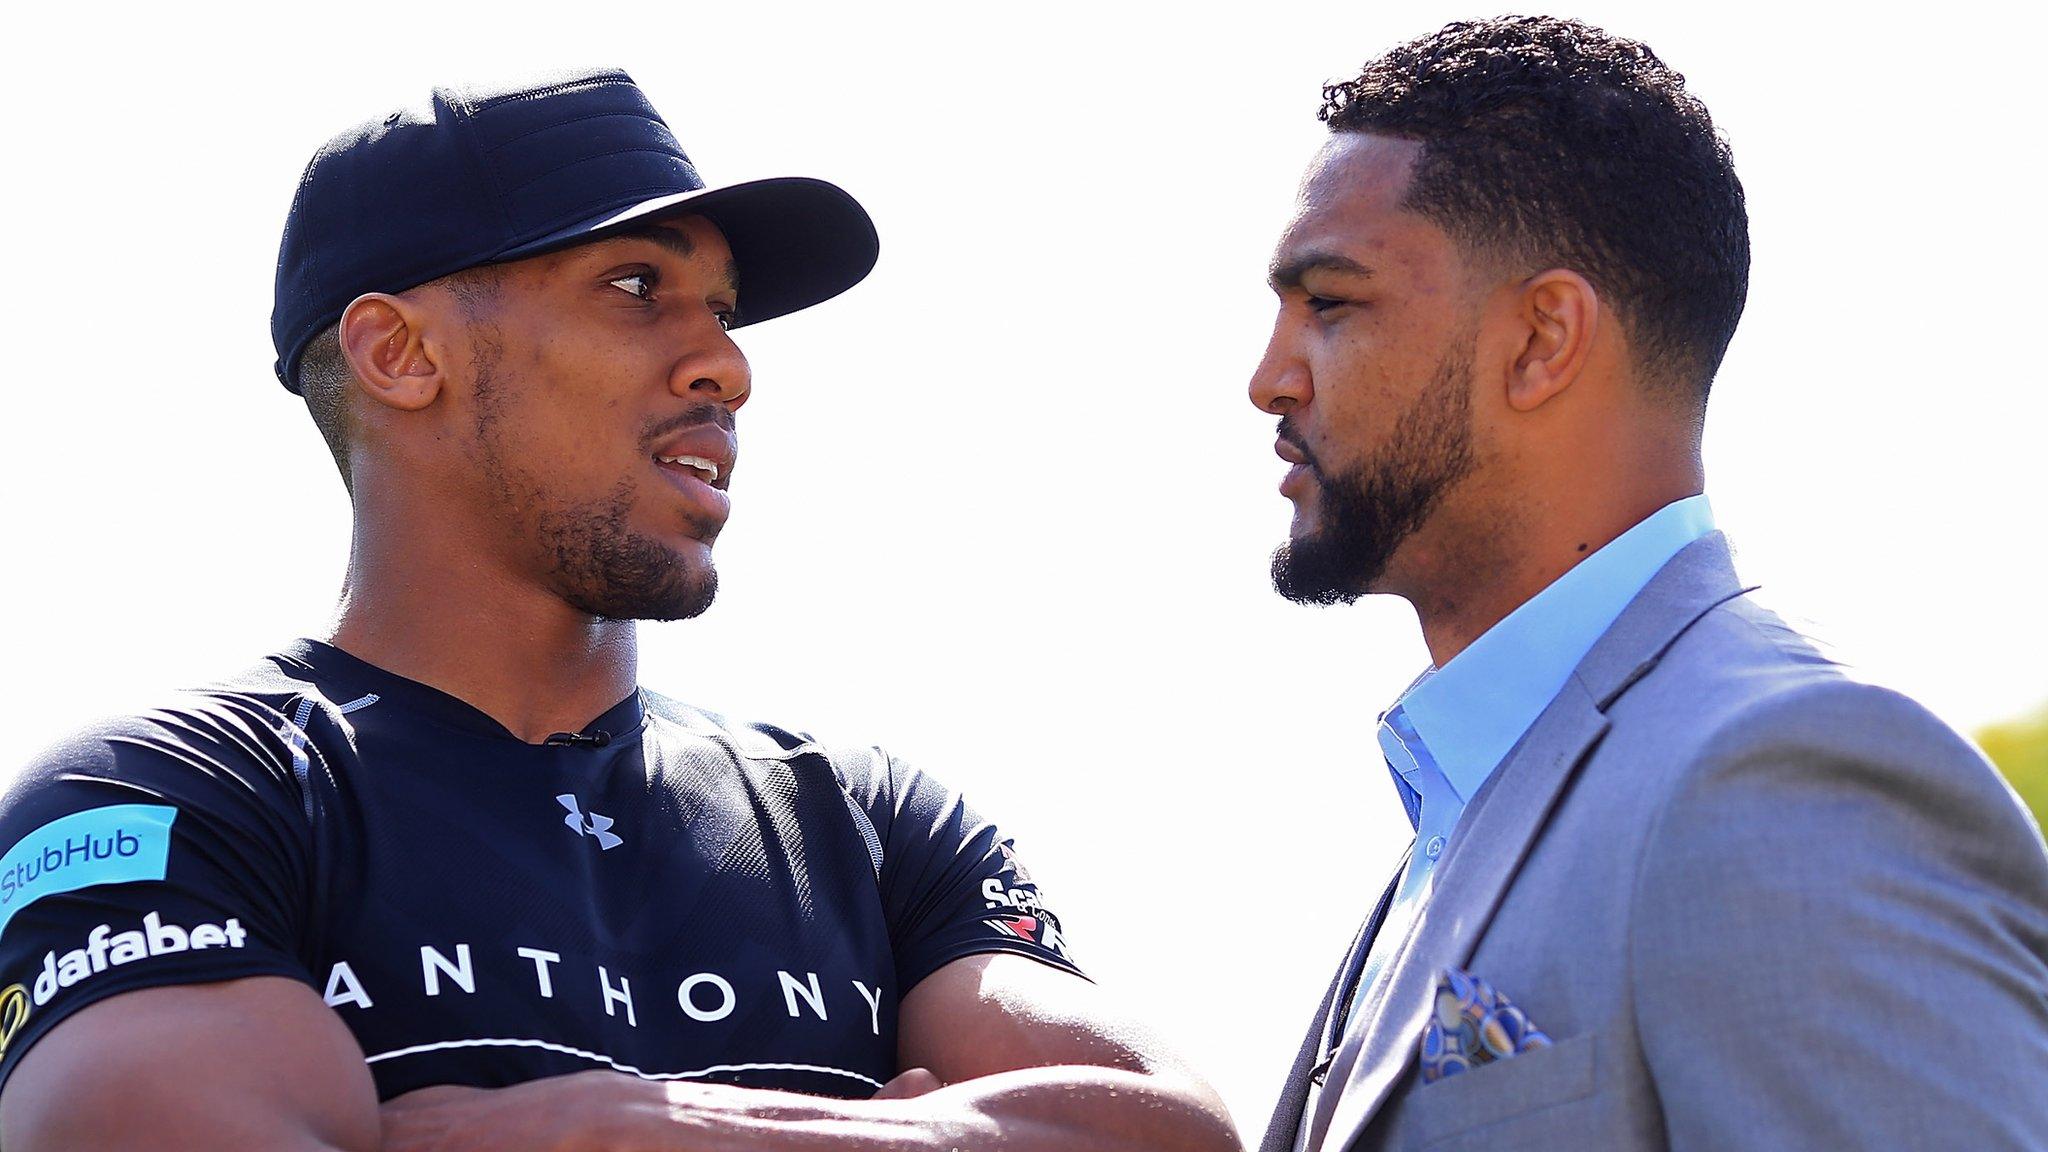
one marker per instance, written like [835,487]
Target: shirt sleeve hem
[910,978]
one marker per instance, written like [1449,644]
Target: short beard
[1370,510]
[600,566]
[603,568]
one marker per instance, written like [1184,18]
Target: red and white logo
[1021,927]
[1035,929]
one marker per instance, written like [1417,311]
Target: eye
[1323,303]
[639,285]
[728,318]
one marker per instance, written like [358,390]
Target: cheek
[573,404]
[1351,389]
[559,446]
[1366,373]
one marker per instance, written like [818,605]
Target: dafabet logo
[14,1010]
[106,948]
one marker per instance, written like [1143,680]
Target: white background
[1004,507]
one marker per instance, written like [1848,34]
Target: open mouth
[698,466]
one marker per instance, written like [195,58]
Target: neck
[510,649]
[1485,571]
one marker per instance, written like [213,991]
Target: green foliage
[2020,749]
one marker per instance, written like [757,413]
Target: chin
[1322,567]
[632,579]
[687,595]
[675,603]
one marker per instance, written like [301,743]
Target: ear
[384,339]
[1560,314]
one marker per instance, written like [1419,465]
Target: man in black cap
[451,858]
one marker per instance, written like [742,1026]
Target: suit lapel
[1313,1099]
[1296,1094]
[1501,824]
[1492,838]
[1700,577]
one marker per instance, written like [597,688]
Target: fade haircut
[1549,143]
[326,381]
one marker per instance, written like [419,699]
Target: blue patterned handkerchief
[1473,1025]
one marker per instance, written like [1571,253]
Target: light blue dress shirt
[1454,725]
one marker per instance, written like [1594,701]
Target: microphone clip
[597,739]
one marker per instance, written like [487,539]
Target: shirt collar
[329,667]
[1470,712]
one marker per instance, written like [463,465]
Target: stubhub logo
[118,844]
[105,948]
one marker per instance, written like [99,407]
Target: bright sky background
[1004,508]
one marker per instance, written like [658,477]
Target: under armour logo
[594,825]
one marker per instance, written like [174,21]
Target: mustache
[1292,434]
[717,415]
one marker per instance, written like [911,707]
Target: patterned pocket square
[1473,1025]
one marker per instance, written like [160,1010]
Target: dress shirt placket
[1433,808]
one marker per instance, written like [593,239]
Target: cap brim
[797,241]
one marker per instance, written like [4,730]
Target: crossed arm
[1003,1052]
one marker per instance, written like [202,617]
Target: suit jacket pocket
[1503,1090]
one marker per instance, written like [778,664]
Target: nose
[712,367]
[1281,383]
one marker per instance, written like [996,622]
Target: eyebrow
[1288,273]
[679,244]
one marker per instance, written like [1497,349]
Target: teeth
[709,469]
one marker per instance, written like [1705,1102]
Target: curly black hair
[1554,144]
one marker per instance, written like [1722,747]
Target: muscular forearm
[1068,1108]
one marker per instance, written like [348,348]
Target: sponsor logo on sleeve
[111,845]
[14,1009]
[1039,930]
[994,894]
[1023,915]
[106,948]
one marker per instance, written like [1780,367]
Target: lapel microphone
[597,739]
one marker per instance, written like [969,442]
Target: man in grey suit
[1710,890]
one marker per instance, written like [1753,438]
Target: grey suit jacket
[1757,904]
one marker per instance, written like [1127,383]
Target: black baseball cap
[480,175]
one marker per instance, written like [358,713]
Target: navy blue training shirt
[664,893]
